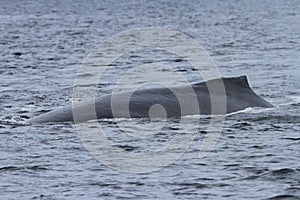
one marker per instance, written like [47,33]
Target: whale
[143,103]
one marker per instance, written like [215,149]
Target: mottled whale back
[239,96]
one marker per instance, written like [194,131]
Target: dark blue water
[43,43]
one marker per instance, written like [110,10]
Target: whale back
[239,96]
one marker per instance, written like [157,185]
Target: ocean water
[43,44]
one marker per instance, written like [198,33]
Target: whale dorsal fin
[240,80]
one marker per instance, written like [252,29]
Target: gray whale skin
[239,96]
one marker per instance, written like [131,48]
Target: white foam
[251,110]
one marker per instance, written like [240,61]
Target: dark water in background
[42,45]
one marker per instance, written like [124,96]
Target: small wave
[18,168]
[284,197]
[126,147]
[295,139]
[194,185]
[274,118]
[8,168]
[293,100]
[283,171]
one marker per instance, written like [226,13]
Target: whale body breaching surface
[142,104]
